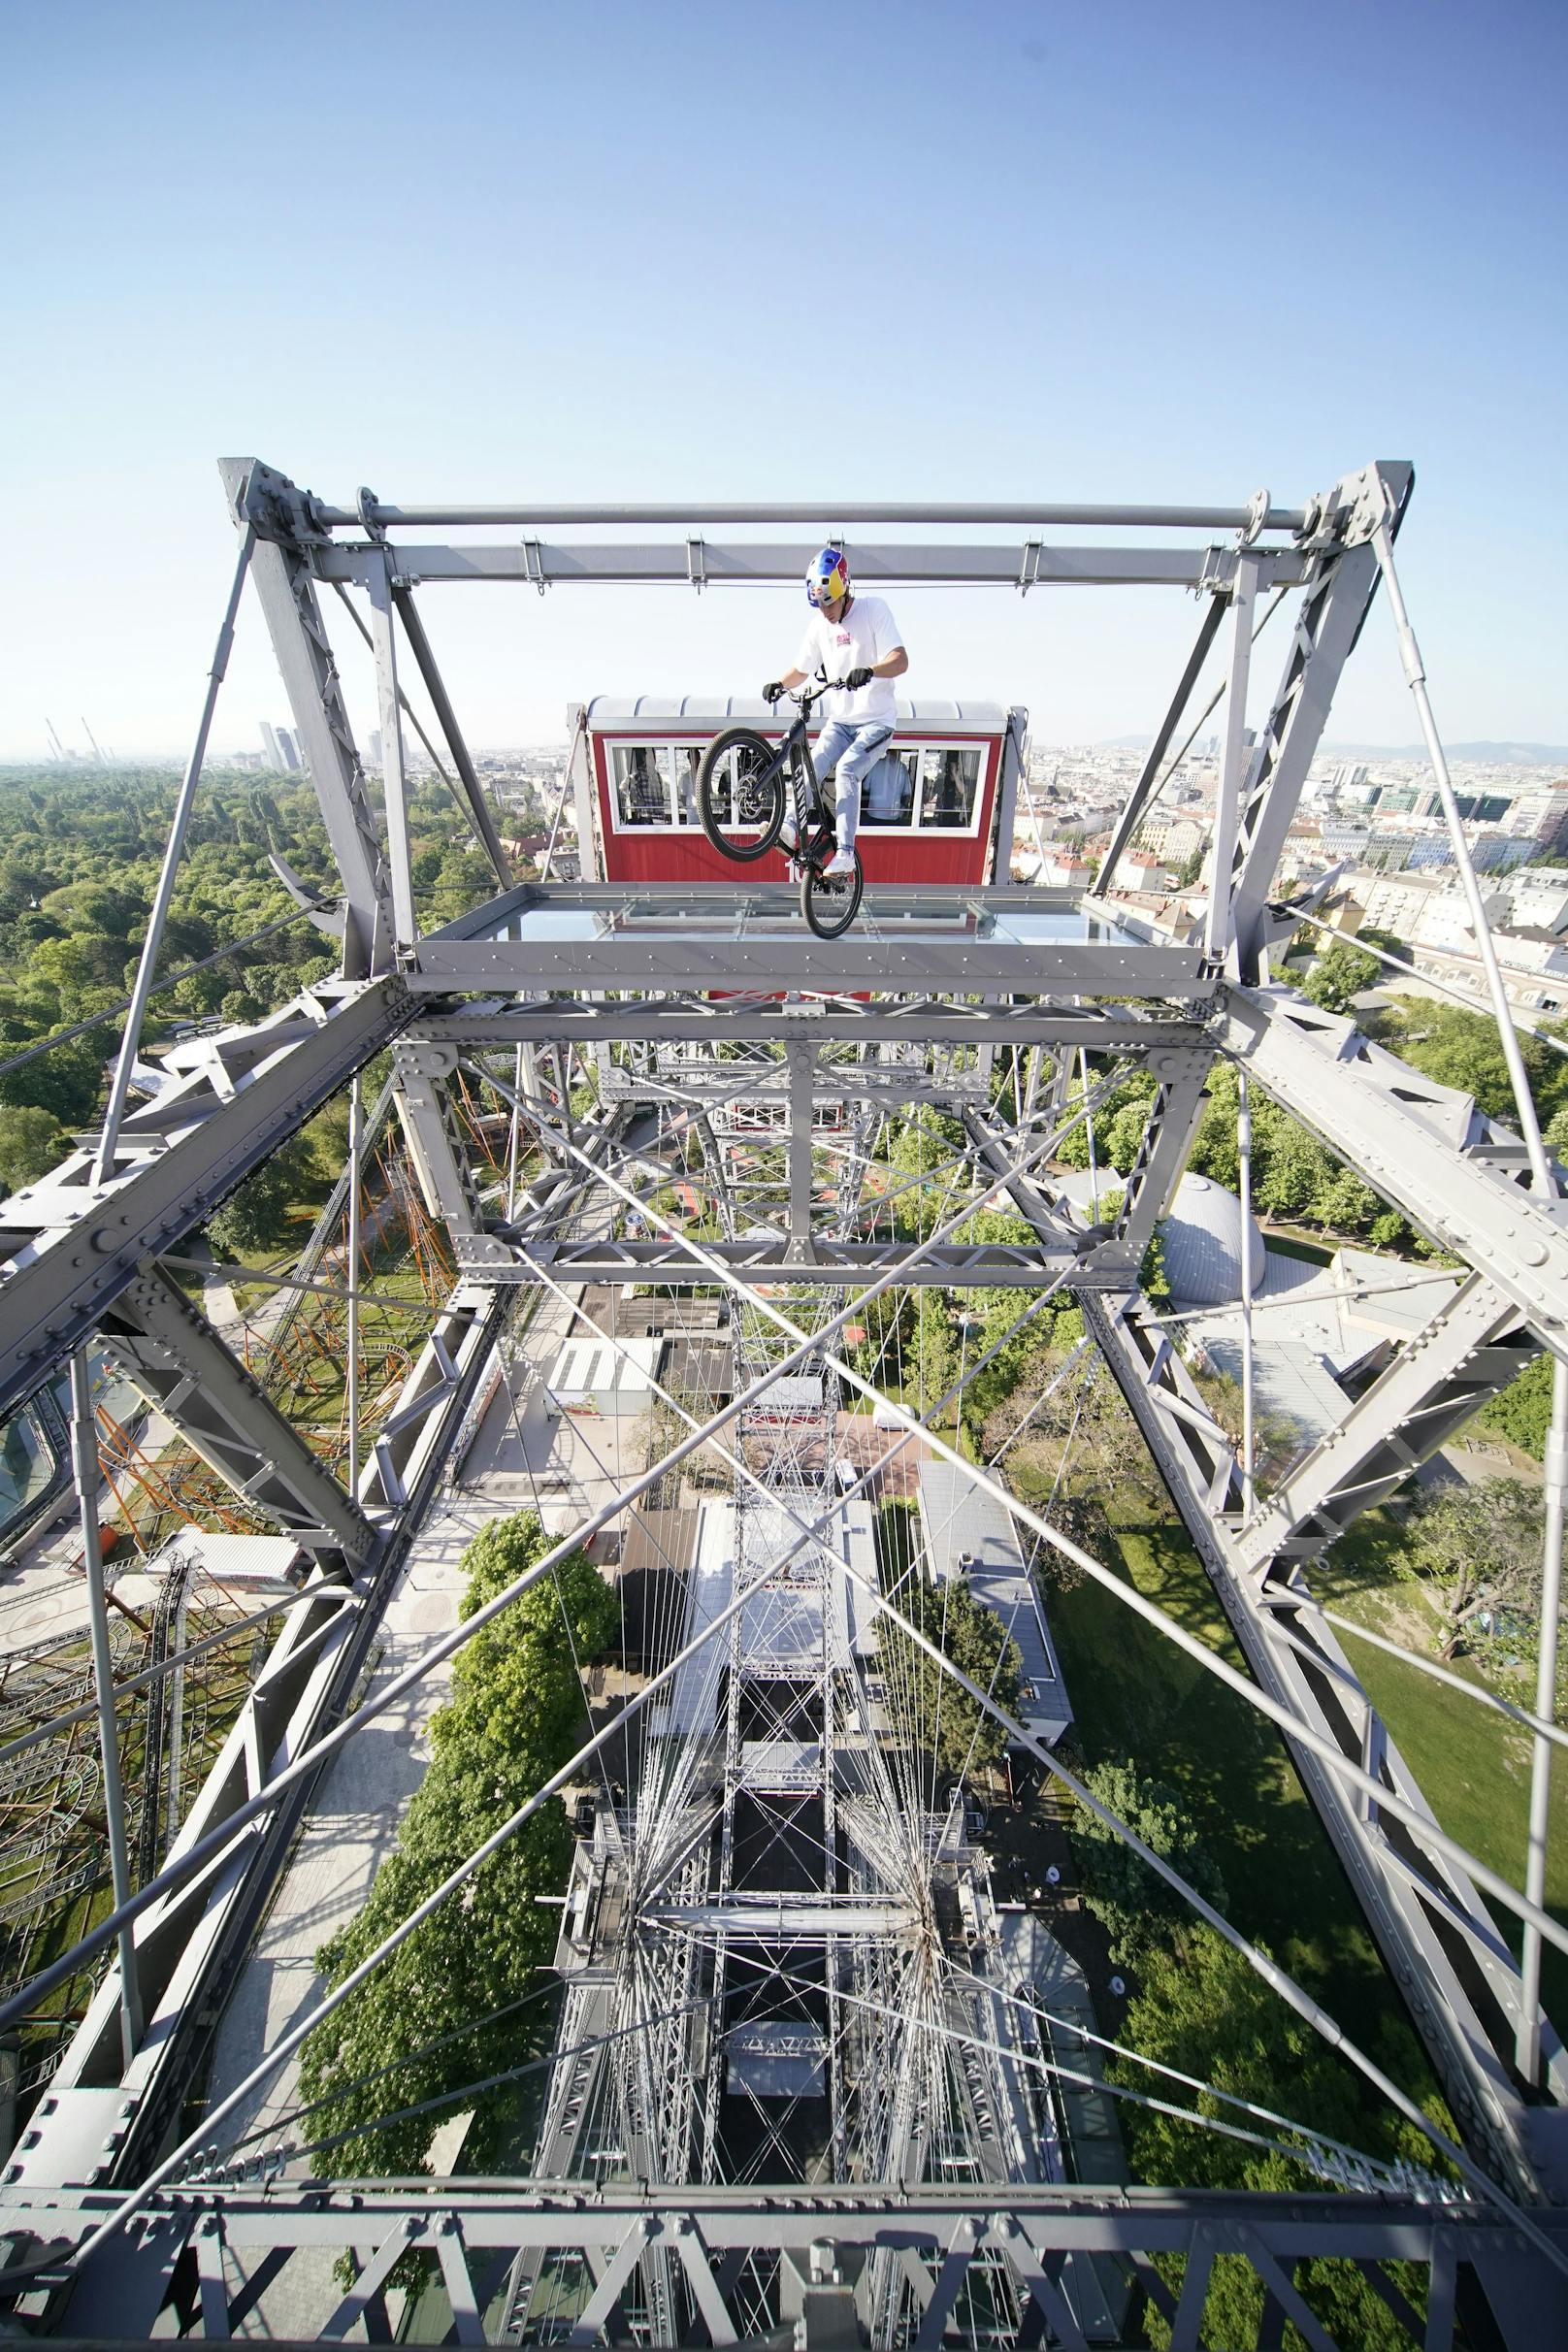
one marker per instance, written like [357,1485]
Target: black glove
[857,679]
[772,691]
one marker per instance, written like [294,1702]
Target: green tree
[938,1714]
[516,1713]
[1340,975]
[1131,1901]
[31,1143]
[1522,1411]
[258,1215]
[1202,2009]
[1476,1552]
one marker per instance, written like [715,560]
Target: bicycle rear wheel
[831,907]
[741,794]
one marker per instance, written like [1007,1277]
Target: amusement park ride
[809,2087]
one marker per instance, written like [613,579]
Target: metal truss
[783,1884]
[221,2252]
[180,1365]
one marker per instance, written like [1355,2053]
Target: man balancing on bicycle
[854,641]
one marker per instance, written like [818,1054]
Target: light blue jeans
[851,747]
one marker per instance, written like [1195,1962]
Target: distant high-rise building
[288,747]
[274,750]
[375,746]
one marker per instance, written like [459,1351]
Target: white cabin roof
[680,714]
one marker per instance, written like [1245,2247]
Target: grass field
[1473,1768]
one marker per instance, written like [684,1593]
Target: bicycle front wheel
[741,794]
[830,906]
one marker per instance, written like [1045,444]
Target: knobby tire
[831,907]
[763,803]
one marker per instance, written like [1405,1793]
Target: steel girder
[193,1939]
[841,1264]
[1384,1119]
[578,563]
[310,674]
[91,1241]
[1333,609]
[1459,1978]
[184,1371]
[1469,1351]
[919,1021]
[210,2252]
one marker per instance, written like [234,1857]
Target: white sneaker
[840,866]
[788,837]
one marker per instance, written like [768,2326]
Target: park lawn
[1136,1696]
[1473,1768]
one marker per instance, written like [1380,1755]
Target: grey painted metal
[1014,752]
[1326,628]
[189,1374]
[193,1923]
[725,941]
[423,652]
[1232,754]
[1527,2048]
[800,1059]
[1462,1987]
[743,1019]
[435,1143]
[587,563]
[310,674]
[489,1257]
[89,1478]
[1469,1351]
[393,780]
[1380,1115]
[174,848]
[1146,789]
[356,1152]
[716,2229]
[57,1295]
[378,514]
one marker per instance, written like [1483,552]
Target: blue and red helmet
[826,578]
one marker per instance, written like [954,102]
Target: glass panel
[641,781]
[949,782]
[888,794]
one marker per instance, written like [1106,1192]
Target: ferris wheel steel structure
[795,2083]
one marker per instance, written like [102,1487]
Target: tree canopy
[516,1713]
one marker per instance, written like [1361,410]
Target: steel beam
[1338,597]
[1146,787]
[1460,1983]
[750,1018]
[186,1371]
[1030,564]
[717,2231]
[310,680]
[99,1236]
[419,645]
[1469,1351]
[839,1264]
[1391,1124]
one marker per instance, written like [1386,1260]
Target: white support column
[1244,1155]
[1226,819]
[405,919]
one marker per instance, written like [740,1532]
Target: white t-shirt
[867,633]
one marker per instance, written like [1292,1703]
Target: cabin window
[641,775]
[888,794]
[950,779]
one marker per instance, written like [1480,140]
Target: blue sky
[481,250]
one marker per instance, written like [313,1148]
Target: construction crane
[93,741]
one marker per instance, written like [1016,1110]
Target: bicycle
[740,799]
